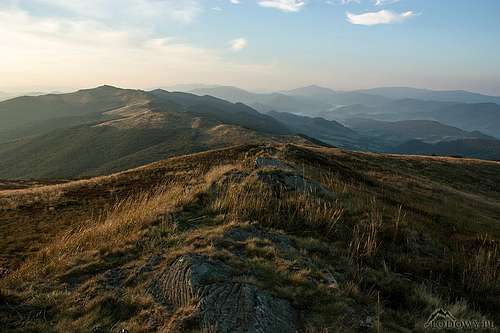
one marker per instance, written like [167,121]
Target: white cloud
[182,11]
[380,17]
[341,2]
[384,2]
[238,44]
[283,5]
[74,53]
[235,2]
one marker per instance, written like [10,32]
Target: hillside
[29,111]
[472,148]
[4,96]
[483,117]
[338,98]
[116,129]
[106,129]
[400,131]
[33,115]
[286,238]
[327,131]
[279,102]
[459,96]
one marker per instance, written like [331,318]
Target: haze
[255,44]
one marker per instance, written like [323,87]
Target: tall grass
[481,270]
[399,220]
[365,240]
[289,210]
[114,230]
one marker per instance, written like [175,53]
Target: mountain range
[107,129]
[5,96]
[459,96]
[397,132]
[472,148]
[473,111]
[97,131]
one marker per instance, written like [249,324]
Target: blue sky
[254,44]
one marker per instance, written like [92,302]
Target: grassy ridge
[400,237]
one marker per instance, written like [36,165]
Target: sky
[61,45]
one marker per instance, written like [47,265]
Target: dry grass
[255,201]
[365,240]
[392,218]
[116,229]
[399,220]
[216,173]
[13,199]
[481,270]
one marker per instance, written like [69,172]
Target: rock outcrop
[282,177]
[221,305]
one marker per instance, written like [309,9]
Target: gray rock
[254,230]
[222,305]
[273,163]
[151,263]
[293,182]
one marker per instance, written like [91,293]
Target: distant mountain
[330,132]
[223,111]
[459,96]
[106,129]
[228,93]
[472,148]
[336,98]
[268,101]
[483,117]
[96,150]
[189,87]
[307,101]
[4,96]
[401,131]
[29,115]
[311,91]
[114,129]
[404,109]
[36,113]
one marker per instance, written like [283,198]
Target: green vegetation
[103,130]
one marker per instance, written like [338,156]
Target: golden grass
[481,270]
[399,220]
[116,229]
[255,201]
[365,240]
[326,232]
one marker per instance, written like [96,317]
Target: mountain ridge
[209,239]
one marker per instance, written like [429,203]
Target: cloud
[238,44]
[64,52]
[283,5]
[341,2]
[235,2]
[380,17]
[384,2]
[181,11]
